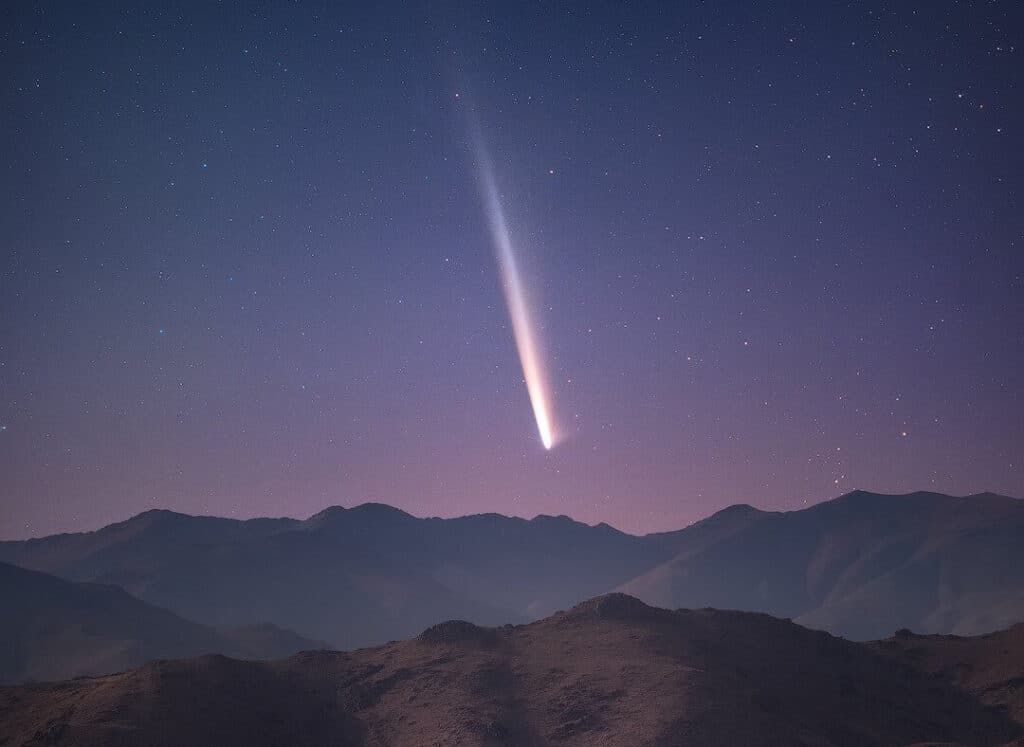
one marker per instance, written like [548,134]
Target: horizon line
[364,504]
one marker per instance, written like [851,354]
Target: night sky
[774,250]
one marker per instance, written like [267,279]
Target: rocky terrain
[610,671]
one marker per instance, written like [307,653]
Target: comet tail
[515,298]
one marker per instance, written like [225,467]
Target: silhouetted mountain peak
[737,510]
[988,495]
[363,510]
[154,517]
[155,513]
[567,523]
[728,520]
[459,632]
[614,606]
[866,502]
[867,495]
[327,513]
[853,495]
[164,520]
[549,519]
[380,509]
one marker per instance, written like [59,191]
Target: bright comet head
[523,327]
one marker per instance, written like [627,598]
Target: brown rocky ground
[989,667]
[611,671]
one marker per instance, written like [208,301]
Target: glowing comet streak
[515,299]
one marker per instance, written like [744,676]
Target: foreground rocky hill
[610,671]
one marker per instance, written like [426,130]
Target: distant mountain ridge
[54,629]
[861,565]
[610,671]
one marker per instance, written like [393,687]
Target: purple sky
[776,255]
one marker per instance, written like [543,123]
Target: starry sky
[774,252]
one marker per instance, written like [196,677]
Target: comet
[523,327]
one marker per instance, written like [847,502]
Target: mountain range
[610,671]
[860,566]
[55,629]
